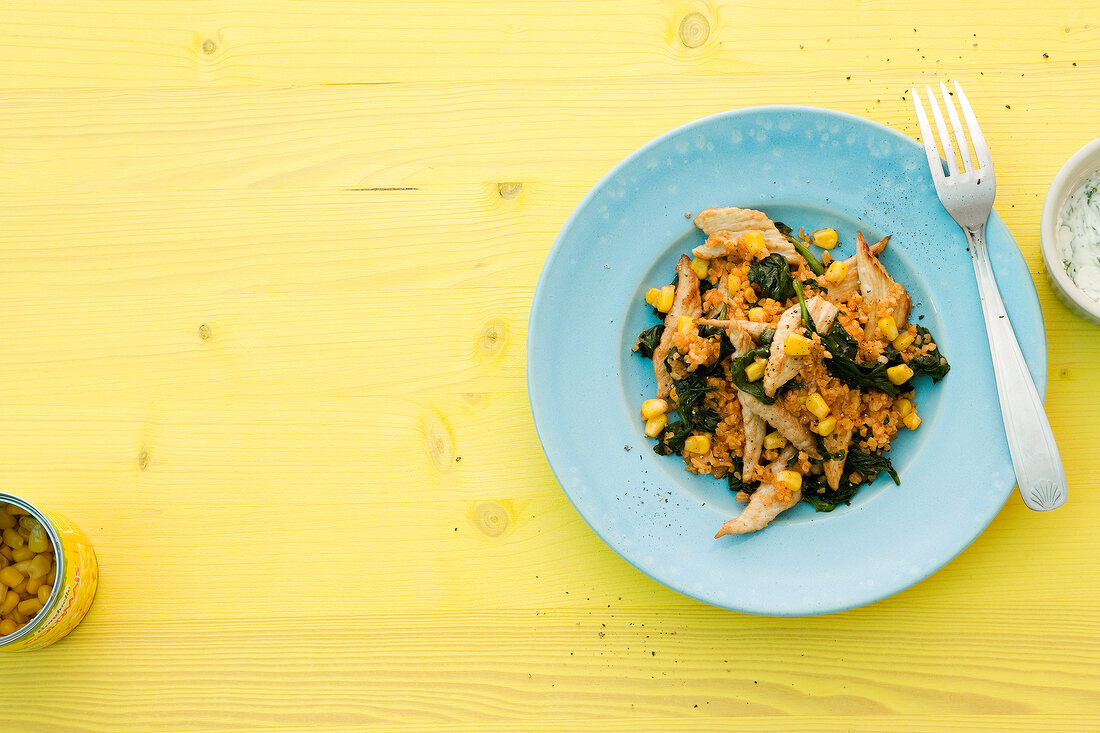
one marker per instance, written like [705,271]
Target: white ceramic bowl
[1084,164]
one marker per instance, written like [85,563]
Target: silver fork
[968,195]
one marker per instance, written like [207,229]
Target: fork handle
[1035,459]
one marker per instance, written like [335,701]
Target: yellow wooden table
[265,276]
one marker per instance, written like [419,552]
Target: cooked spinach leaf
[705,419]
[737,374]
[869,465]
[816,490]
[710,331]
[693,414]
[854,374]
[933,363]
[648,340]
[843,342]
[735,479]
[828,499]
[688,391]
[672,439]
[772,276]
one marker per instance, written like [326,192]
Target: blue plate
[812,168]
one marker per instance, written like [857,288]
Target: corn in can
[77,575]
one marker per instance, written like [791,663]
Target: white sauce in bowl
[1079,236]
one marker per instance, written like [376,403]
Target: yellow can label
[81,579]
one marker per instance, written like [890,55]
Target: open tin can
[74,585]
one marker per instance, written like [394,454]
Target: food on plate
[785,373]
[1079,237]
[27,568]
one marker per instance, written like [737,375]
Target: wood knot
[439,444]
[204,332]
[493,337]
[474,399]
[143,459]
[492,518]
[694,30]
[509,190]
[209,47]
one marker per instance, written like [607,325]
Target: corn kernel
[697,444]
[836,272]
[825,238]
[52,575]
[666,298]
[40,565]
[6,520]
[8,626]
[39,541]
[911,421]
[700,267]
[757,315]
[774,441]
[29,607]
[654,426]
[653,408]
[652,295]
[22,566]
[11,600]
[796,345]
[889,327]
[33,584]
[5,551]
[20,589]
[23,532]
[18,617]
[755,370]
[899,374]
[827,426]
[754,241]
[903,406]
[13,509]
[733,282]
[11,577]
[750,294]
[815,403]
[791,479]
[44,592]
[902,342]
[13,539]
[684,324]
[23,553]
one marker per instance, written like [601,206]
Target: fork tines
[981,150]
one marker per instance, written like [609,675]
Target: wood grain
[117,43]
[267,270]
